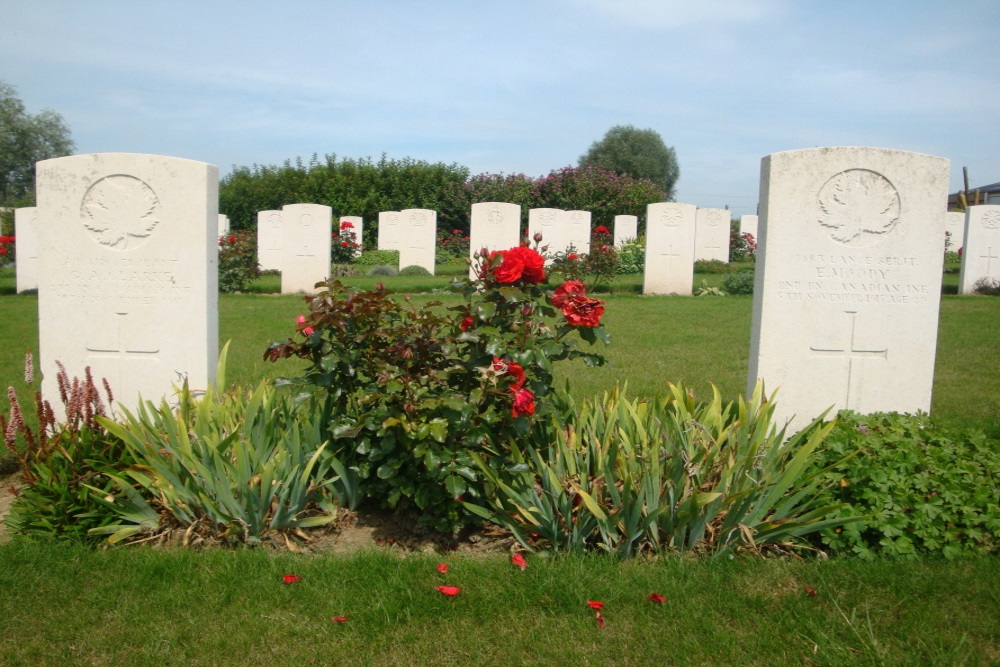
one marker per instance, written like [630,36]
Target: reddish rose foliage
[339,619]
[442,568]
[657,598]
[524,403]
[449,591]
[594,604]
[518,561]
[291,578]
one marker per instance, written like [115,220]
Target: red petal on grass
[339,619]
[443,568]
[657,598]
[449,591]
[600,620]
[518,560]
[291,578]
[810,591]
[594,604]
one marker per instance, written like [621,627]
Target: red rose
[517,373]
[566,290]
[572,256]
[232,239]
[466,323]
[601,230]
[520,263]
[346,224]
[344,243]
[524,403]
[582,311]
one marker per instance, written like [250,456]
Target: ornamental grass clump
[409,393]
[629,476]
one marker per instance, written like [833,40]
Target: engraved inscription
[858,207]
[714,219]
[417,219]
[850,278]
[991,219]
[122,280]
[547,218]
[120,211]
[671,217]
[496,215]
[274,220]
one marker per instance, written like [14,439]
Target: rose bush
[411,392]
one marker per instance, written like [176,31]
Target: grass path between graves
[67,605]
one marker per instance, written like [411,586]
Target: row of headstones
[845,312]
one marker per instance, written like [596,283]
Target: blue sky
[516,86]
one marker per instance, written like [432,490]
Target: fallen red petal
[657,598]
[450,591]
[600,620]
[518,560]
[291,578]
[339,619]
[594,604]
[810,591]
[443,568]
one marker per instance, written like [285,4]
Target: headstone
[670,232]
[357,226]
[421,238]
[954,230]
[848,280]
[980,247]
[390,230]
[494,226]
[576,230]
[128,272]
[748,225]
[270,241]
[307,229]
[223,225]
[26,233]
[711,239]
[626,229]
[546,222]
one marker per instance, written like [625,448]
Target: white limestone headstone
[128,272]
[390,230]
[26,233]
[307,230]
[576,230]
[545,221]
[357,226]
[223,225]
[848,280]
[711,239]
[670,232]
[494,226]
[748,225]
[270,240]
[421,238]
[626,229]
[980,247]
[954,229]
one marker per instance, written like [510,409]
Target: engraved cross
[989,257]
[669,255]
[851,352]
[122,351]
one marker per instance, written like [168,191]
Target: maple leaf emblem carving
[858,206]
[119,210]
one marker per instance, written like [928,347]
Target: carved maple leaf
[858,202]
[119,209]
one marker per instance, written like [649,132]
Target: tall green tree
[25,139]
[627,150]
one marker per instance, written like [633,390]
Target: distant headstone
[626,229]
[357,226]
[390,230]
[848,280]
[26,233]
[421,238]
[748,225]
[494,226]
[711,239]
[980,247]
[223,225]
[307,230]
[546,222]
[576,230]
[954,230]
[128,272]
[670,232]
[270,241]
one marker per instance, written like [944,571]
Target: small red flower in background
[594,604]
[347,224]
[308,331]
[524,403]
[466,323]
[601,230]
[3,250]
[345,244]
[442,568]
[449,591]
[810,591]
[657,598]
[290,578]
[518,560]
[600,620]
[572,256]
[456,231]
[339,619]
[232,239]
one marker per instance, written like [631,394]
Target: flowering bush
[344,244]
[632,256]
[453,244]
[7,250]
[238,265]
[602,262]
[410,393]
[742,247]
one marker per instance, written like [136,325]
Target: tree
[24,140]
[636,153]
